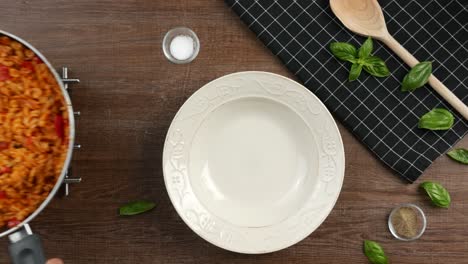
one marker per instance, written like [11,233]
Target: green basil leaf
[375,252]
[366,48]
[355,71]
[136,207]
[376,66]
[438,194]
[417,76]
[344,51]
[437,119]
[460,155]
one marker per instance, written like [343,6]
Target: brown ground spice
[407,222]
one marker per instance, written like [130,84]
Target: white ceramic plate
[253,162]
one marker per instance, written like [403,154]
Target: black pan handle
[26,247]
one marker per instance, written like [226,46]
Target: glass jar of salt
[407,222]
[181,45]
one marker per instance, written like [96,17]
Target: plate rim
[339,175]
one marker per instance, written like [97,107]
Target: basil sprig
[460,155]
[438,194]
[136,207]
[436,119]
[374,252]
[361,59]
[417,76]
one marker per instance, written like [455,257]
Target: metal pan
[25,247]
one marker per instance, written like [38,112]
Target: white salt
[182,47]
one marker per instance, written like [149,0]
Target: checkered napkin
[383,118]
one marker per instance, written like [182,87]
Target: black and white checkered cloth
[385,119]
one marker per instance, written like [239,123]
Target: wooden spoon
[365,17]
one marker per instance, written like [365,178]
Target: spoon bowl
[362,17]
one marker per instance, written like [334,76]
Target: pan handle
[26,247]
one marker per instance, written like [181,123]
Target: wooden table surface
[129,94]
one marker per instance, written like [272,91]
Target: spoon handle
[437,85]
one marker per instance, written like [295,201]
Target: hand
[54,261]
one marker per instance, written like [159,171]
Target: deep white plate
[253,162]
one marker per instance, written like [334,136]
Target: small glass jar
[180,31]
[421,227]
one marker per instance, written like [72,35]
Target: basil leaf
[344,51]
[375,252]
[417,76]
[460,155]
[366,48]
[438,194]
[136,207]
[437,119]
[355,71]
[376,66]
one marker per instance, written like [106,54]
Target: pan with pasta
[36,133]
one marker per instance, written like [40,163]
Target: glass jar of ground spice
[407,222]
